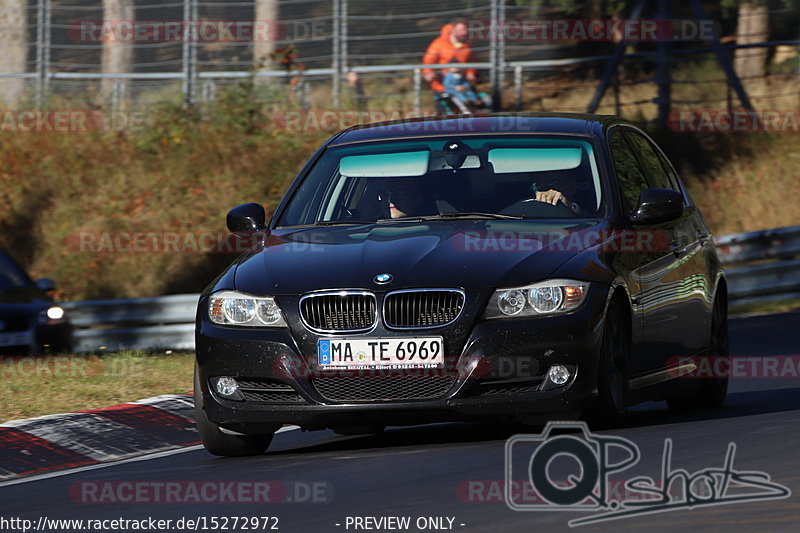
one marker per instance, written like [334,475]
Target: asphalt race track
[456,470]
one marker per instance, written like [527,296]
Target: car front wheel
[611,404]
[218,442]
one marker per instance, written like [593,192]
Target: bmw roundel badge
[383,279]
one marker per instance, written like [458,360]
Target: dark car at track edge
[410,275]
[31,323]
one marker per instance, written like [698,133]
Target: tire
[223,444]
[611,405]
[712,391]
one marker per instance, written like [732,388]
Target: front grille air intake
[427,308]
[340,311]
[381,387]
[268,391]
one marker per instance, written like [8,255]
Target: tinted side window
[670,172]
[657,177]
[630,178]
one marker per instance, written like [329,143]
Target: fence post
[117,90]
[494,53]
[189,51]
[663,76]
[40,72]
[336,59]
[43,23]
[343,59]
[502,44]
[417,91]
[209,91]
[305,103]
[48,8]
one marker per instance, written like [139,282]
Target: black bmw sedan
[30,322]
[482,268]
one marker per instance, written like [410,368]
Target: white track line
[147,457]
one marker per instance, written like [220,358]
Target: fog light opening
[558,374]
[227,387]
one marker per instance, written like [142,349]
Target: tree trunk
[752,27]
[266,17]
[117,54]
[13,24]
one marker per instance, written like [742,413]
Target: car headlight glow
[233,308]
[52,315]
[543,298]
[55,313]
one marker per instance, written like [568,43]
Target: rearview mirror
[657,206]
[247,218]
[46,284]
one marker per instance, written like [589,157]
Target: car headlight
[231,308]
[51,315]
[544,298]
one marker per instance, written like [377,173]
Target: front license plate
[17,338]
[419,352]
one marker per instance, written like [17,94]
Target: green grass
[35,386]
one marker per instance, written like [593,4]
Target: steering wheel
[560,205]
[545,208]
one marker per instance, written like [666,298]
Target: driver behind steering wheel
[555,188]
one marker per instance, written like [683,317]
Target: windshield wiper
[453,216]
[342,222]
[491,216]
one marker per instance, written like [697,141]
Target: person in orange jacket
[450,46]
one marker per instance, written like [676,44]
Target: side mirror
[247,218]
[657,206]
[46,284]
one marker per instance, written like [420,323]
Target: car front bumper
[499,372]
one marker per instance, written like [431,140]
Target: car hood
[21,302]
[27,295]
[466,254]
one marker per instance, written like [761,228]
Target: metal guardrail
[167,322]
[767,282]
[774,270]
[779,243]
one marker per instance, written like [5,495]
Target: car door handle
[703,237]
[677,249]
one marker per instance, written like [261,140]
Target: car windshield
[11,275]
[468,177]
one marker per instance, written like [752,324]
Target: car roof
[496,123]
